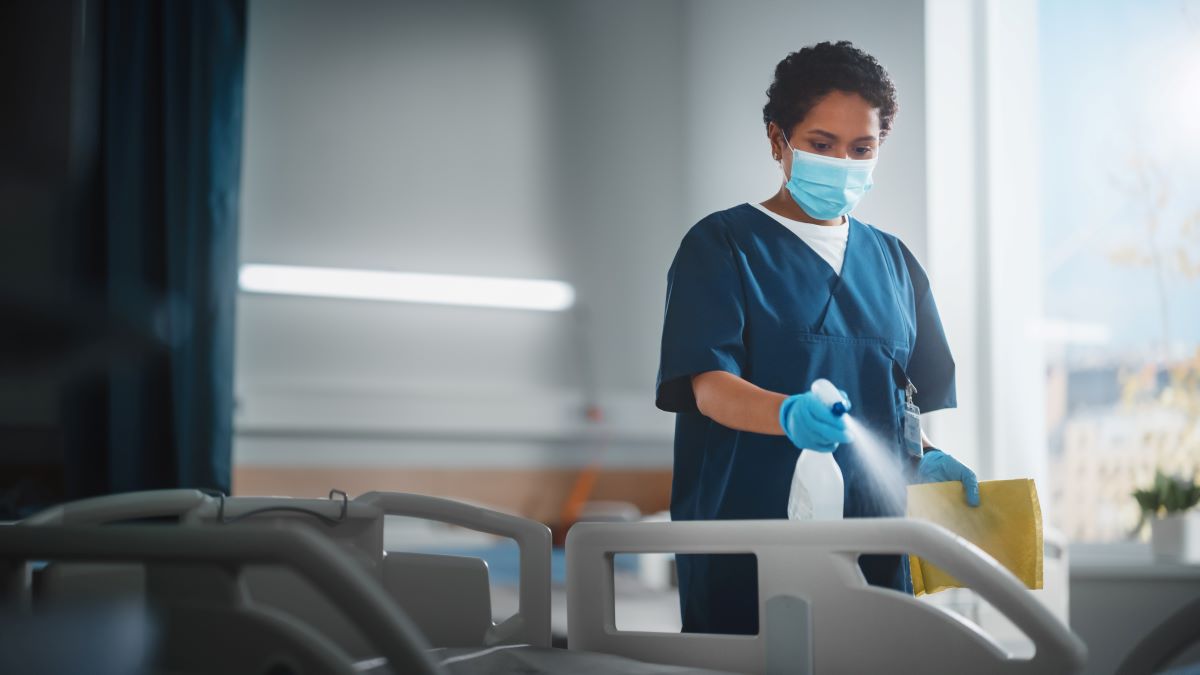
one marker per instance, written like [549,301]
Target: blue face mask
[828,187]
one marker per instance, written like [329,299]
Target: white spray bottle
[817,483]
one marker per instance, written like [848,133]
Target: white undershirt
[829,241]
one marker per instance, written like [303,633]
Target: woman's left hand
[936,466]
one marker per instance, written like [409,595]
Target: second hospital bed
[817,612]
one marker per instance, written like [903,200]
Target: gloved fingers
[826,434]
[936,466]
[971,486]
[808,423]
[822,413]
[827,426]
[932,468]
[930,477]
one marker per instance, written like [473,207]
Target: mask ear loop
[785,140]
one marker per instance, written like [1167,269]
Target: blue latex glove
[936,466]
[811,424]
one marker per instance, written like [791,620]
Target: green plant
[1168,495]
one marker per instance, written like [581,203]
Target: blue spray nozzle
[838,409]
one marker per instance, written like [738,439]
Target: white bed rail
[531,623]
[117,507]
[817,613]
[321,562]
[16,585]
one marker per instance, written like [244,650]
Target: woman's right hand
[810,424]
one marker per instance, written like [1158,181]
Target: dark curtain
[161,246]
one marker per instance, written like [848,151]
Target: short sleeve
[931,366]
[704,317]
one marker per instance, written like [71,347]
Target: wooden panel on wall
[534,493]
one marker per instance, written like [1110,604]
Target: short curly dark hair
[802,78]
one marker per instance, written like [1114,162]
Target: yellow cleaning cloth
[1007,524]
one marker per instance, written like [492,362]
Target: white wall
[395,136]
[575,140]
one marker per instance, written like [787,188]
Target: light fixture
[442,289]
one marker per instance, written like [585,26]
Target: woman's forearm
[737,404]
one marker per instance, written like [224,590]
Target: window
[1120,159]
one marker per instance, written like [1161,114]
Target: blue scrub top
[747,296]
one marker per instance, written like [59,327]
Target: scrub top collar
[861,268]
[851,237]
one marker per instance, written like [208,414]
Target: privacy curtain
[163,247]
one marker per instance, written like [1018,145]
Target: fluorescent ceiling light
[441,289]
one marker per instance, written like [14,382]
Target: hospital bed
[357,527]
[817,612]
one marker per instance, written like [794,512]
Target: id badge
[911,423]
[912,429]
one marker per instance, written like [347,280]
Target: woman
[763,299]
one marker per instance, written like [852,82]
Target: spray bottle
[817,483]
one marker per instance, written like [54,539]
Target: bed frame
[817,612]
